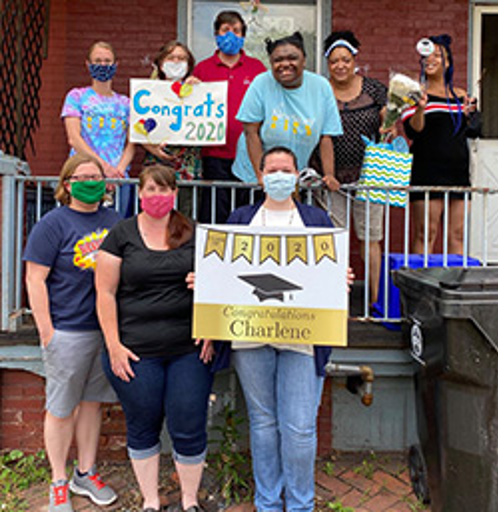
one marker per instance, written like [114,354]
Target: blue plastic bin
[397,261]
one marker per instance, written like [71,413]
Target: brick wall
[21,410]
[136,30]
[324,423]
[22,399]
[389,30]
[22,402]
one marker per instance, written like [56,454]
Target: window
[274,19]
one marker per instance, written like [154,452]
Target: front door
[484,152]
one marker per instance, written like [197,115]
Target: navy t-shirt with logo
[67,241]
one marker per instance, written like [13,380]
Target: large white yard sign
[271,285]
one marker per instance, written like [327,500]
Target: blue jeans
[282,392]
[177,388]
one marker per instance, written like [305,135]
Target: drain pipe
[364,384]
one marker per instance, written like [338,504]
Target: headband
[341,42]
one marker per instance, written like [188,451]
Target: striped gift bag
[384,167]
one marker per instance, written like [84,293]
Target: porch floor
[362,334]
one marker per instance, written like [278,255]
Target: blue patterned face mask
[230,43]
[279,185]
[102,72]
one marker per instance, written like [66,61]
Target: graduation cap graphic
[269,286]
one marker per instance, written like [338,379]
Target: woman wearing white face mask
[282,384]
[175,63]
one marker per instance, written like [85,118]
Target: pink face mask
[158,206]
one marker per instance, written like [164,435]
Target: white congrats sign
[271,285]
[176,113]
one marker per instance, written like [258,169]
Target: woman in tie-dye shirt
[96,118]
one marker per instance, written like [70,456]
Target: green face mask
[88,192]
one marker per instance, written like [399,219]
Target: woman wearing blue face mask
[282,384]
[96,118]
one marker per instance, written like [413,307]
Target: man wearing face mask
[229,63]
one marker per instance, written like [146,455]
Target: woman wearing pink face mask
[145,311]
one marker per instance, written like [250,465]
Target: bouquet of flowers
[403,92]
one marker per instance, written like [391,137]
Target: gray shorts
[73,370]
[359,209]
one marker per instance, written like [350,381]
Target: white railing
[20,212]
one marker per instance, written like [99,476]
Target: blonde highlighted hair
[101,44]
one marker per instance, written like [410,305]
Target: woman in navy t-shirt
[60,262]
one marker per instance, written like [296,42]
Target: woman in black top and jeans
[145,311]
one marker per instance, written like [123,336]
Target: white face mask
[175,70]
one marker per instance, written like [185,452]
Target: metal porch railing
[19,214]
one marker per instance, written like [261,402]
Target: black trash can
[453,332]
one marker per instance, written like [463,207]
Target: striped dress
[440,156]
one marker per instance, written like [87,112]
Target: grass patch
[18,472]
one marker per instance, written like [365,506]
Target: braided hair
[444,40]
[295,39]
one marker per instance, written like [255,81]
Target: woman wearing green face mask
[60,261]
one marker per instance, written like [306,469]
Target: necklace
[290,219]
[152,240]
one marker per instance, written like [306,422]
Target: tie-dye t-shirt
[104,121]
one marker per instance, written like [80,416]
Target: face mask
[229,43]
[102,72]
[88,192]
[175,70]
[279,185]
[158,206]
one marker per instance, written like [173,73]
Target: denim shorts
[73,371]
[175,388]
